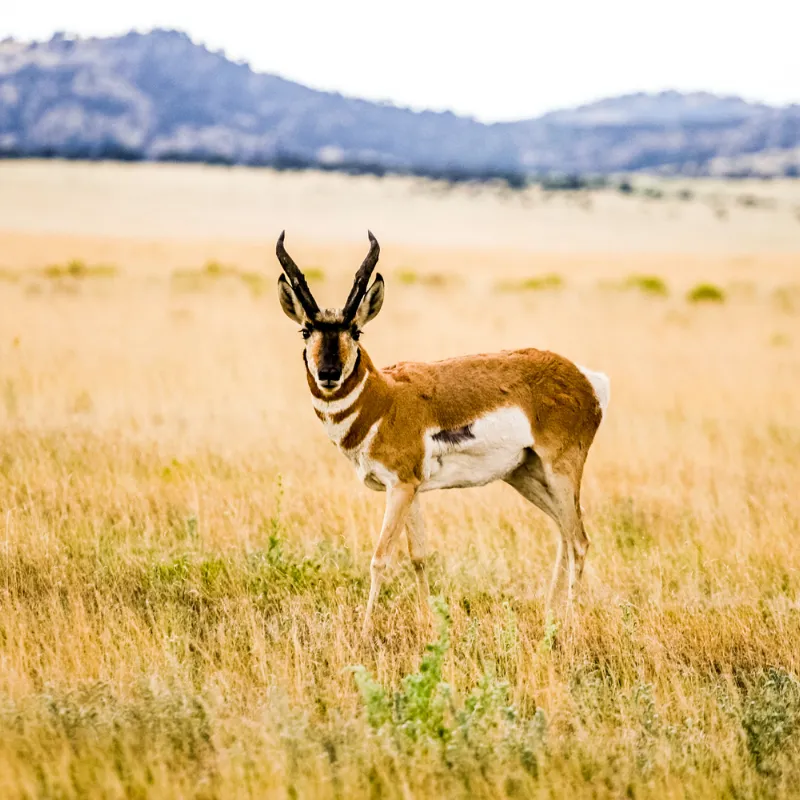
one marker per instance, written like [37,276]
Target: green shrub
[649,284]
[256,282]
[215,269]
[631,526]
[533,284]
[787,298]
[426,716]
[409,277]
[771,720]
[83,403]
[420,707]
[780,340]
[706,293]
[314,274]
[79,270]
[753,201]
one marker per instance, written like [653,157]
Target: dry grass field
[184,557]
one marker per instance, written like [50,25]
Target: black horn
[361,280]
[296,279]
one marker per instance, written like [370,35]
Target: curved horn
[296,278]
[362,279]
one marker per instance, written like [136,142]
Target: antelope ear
[289,303]
[371,304]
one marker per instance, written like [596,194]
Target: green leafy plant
[420,707]
[426,714]
[771,720]
[549,640]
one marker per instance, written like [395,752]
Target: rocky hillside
[160,96]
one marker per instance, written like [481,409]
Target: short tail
[601,385]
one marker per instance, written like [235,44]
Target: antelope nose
[329,375]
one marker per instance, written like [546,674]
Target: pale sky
[507,59]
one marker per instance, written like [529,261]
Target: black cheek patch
[454,436]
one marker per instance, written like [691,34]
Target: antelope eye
[356,335]
[306,332]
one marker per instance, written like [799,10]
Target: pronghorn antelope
[526,417]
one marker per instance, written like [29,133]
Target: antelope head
[331,335]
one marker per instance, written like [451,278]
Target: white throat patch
[328,408]
[337,406]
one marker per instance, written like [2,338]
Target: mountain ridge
[161,96]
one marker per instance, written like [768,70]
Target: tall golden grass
[184,557]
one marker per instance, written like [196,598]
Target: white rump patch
[495,448]
[601,385]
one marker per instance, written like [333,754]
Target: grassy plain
[184,557]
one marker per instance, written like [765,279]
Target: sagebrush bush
[80,270]
[410,277]
[215,272]
[426,716]
[314,274]
[532,284]
[649,284]
[706,293]
[771,720]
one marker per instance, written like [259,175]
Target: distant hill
[161,96]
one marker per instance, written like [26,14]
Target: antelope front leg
[398,502]
[559,579]
[418,550]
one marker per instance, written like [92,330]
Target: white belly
[496,449]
